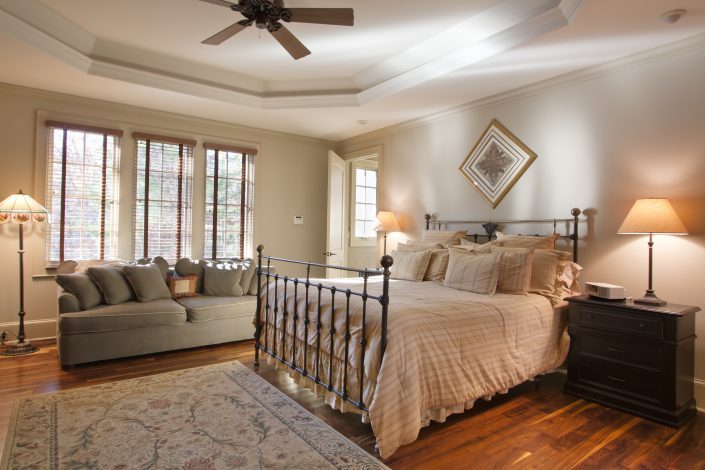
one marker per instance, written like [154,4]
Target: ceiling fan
[268,14]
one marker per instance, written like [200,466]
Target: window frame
[366,164]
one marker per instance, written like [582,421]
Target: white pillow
[474,272]
[411,265]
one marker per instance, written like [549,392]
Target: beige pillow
[515,270]
[414,245]
[474,272]
[526,241]
[544,272]
[444,237]
[437,265]
[479,247]
[410,266]
[567,277]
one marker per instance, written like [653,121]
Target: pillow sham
[544,272]
[474,272]
[112,283]
[526,241]
[444,237]
[147,282]
[81,286]
[222,280]
[410,266]
[568,274]
[515,270]
[419,244]
[437,265]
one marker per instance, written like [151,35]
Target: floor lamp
[649,216]
[386,222]
[21,209]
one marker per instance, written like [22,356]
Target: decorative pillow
[147,282]
[182,286]
[186,267]
[544,272]
[444,237]
[410,266]
[474,272]
[568,274]
[222,280]
[248,273]
[526,241]
[437,265]
[468,243]
[112,283]
[413,245]
[80,285]
[515,270]
[470,246]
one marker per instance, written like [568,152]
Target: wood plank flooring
[534,426]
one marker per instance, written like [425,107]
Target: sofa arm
[68,303]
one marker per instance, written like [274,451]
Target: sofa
[111,310]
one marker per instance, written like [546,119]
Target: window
[365,201]
[163,187]
[229,201]
[83,171]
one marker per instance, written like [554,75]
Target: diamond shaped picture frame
[496,163]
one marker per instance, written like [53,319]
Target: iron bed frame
[315,372]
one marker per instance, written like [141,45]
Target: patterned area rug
[219,416]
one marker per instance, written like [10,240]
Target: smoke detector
[672,16]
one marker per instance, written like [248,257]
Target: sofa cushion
[147,282]
[112,283]
[222,280]
[250,270]
[81,285]
[125,316]
[205,308]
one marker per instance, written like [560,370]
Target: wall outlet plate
[298,220]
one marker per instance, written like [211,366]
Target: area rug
[222,416]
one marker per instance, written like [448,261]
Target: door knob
[329,253]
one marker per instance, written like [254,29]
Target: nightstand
[637,358]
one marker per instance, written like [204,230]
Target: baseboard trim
[699,386]
[34,329]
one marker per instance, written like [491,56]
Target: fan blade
[289,42]
[221,3]
[222,36]
[336,16]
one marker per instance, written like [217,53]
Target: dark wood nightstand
[637,358]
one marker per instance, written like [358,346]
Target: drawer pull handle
[642,325]
[617,379]
[615,349]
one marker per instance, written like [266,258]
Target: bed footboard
[319,373]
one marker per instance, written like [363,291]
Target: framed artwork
[496,162]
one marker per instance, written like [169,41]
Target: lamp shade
[21,209]
[652,216]
[386,222]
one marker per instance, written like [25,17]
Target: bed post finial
[258,325]
[575,212]
[428,221]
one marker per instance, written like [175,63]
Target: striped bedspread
[446,348]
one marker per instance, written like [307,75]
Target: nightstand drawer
[605,347]
[639,383]
[616,320]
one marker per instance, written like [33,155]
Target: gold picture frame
[496,163]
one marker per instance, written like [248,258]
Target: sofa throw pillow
[515,269]
[526,241]
[81,286]
[182,286]
[249,272]
[187,267]
[472,271]
[222,280]
[112,283]
[147,282]
[410,266]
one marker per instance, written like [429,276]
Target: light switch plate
[298,220]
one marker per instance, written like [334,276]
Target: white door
[335,240]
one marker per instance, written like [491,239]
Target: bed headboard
[491,226]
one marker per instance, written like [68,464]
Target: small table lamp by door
[650,216]
[21,209]
[386,222]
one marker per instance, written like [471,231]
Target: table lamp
[386,222]
[21,209]
[652,216]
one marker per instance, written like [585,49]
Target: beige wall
[285,167]
[602,142]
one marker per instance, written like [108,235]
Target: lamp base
[650,299]
[20,349]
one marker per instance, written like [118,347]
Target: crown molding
[503,26]
[91,105]
[589,73]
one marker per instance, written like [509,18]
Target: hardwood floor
[536,425]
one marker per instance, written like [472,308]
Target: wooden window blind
[229,201]
[163,191]
[82,192]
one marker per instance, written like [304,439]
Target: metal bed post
[575,212]
[386,262]
[258,323]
